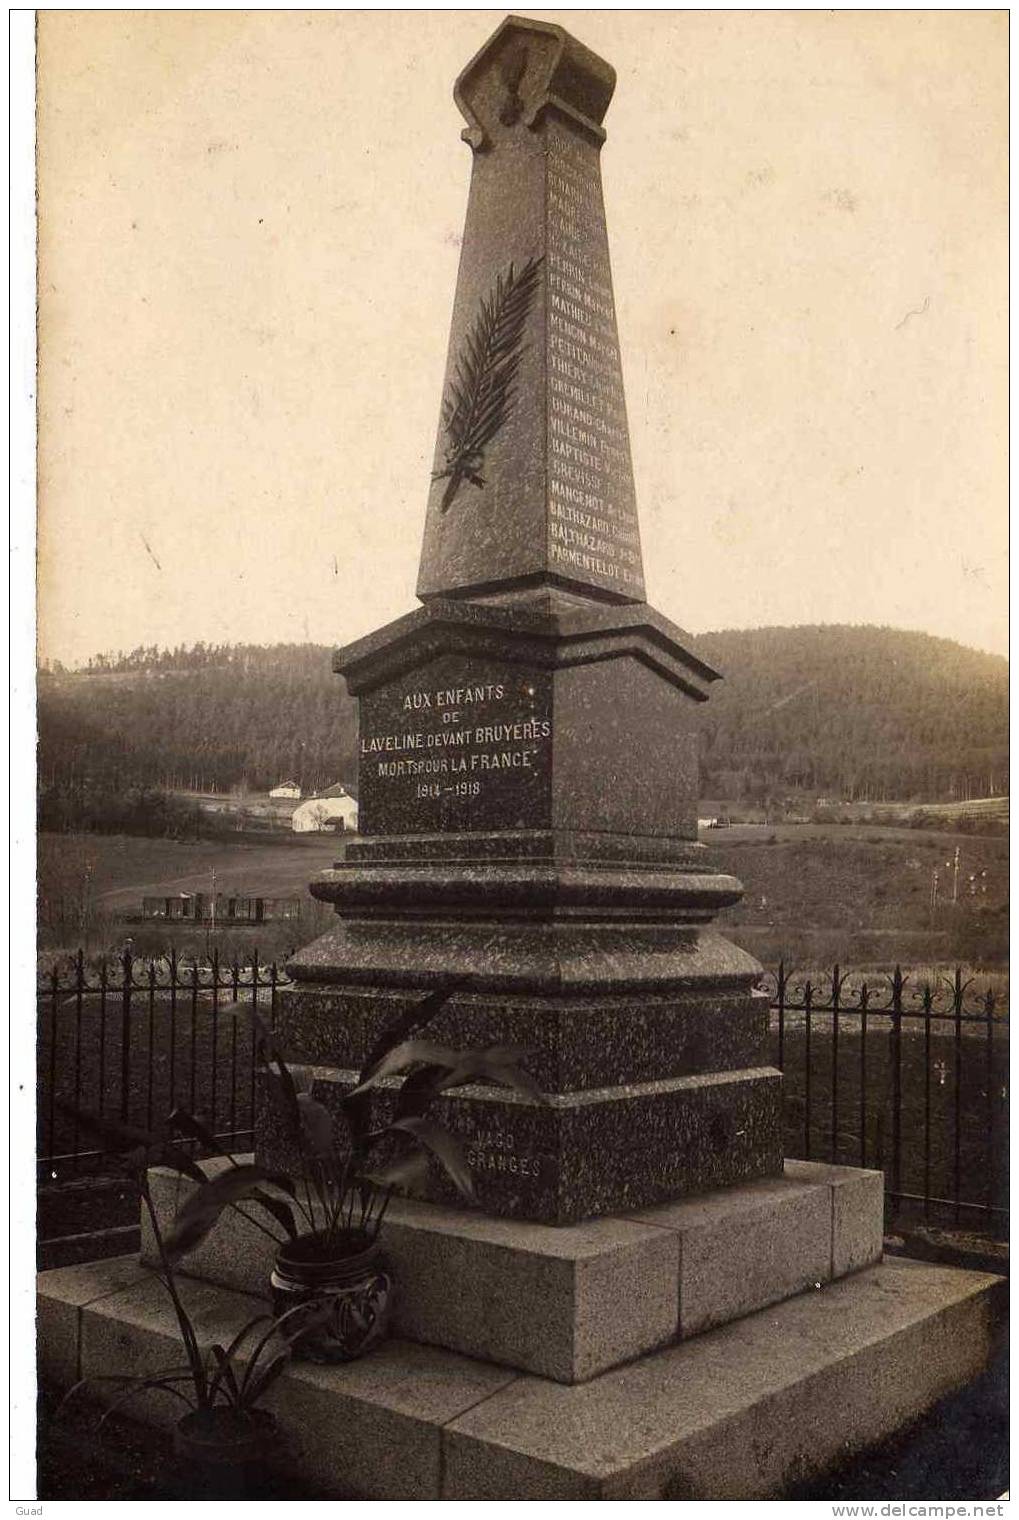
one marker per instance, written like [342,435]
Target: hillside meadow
[861,896]
[814,894]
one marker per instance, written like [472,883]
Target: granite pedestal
[745,1411]
[565,908]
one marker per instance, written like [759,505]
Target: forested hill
[207,718]
[860,713]
[855,712]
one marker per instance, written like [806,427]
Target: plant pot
[223,1453]
[347,1288]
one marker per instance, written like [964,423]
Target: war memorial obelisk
[647,1305]
[527,772]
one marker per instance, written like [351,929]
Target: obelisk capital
[525,68]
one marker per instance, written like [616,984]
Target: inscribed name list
[592,509]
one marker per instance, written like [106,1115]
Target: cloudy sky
[250,226]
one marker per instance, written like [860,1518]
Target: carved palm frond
[479,397]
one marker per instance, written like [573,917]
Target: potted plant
[225,1439]
[331,1262]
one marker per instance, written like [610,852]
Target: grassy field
[861,895]
[90,883]
[128,869]
[815,894]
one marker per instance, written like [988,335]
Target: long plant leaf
[444,1147]
[261,1384]
[309,1314]
[419,1091]
[402,1057]
[160,1385]
[271,1055]
[356,1106]
[190,1127]
[316,1125]
[223,1375]
[413,1018]
[408,1173]
[116,1134]
[176,1374]
[280,1211]
[199,1213]
[243,1333]
[138,1148]
[500,1063]
[497,1064]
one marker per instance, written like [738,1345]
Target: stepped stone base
[644,1034]
[569,1302]
[741,1412]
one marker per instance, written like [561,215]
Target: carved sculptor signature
[480,396]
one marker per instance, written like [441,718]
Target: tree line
[861,714]
[851,713]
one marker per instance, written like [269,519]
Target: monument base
[601,1152]
[746,1411]
[570,1302]
[527,803]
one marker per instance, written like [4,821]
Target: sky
[248,244]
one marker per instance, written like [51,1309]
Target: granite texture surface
[550,462]
[374,1425]
[62,1294]
[570,1043]
[547,847]
[541,626]
[513,954]
[601,1151]
[744,1412]
[857,1212]
[463,734]
[748,1247]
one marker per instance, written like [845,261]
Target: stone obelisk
[527,774]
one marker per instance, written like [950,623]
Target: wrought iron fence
[910,1077]
[133,1039]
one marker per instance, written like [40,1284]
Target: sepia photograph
[521,947]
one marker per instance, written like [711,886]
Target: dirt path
[272,872]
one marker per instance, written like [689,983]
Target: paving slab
[565,1302]
[61,1295]
[744,1248]
[372,1426]
[744,1411]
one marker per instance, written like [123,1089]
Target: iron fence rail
[133,1039]
[909,1076]
[903,1074]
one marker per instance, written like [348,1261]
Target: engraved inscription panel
[592,510]
[494,1150]
[456,745]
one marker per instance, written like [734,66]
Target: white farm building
[285,789]
[333,809]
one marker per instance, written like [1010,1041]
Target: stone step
[568,1302]
[741,1412]
[89,1245]
[85,1204]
